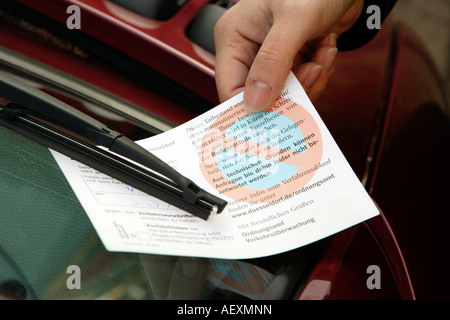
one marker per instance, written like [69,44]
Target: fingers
[272,65]
[318,87]
[255,51]
[258,42]
[235,51]
[232,67]
[315,73]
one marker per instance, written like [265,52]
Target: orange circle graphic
[261,157]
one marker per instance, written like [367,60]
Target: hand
[259,41]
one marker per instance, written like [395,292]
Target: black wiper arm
[29,103]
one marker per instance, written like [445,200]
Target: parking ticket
[286,181]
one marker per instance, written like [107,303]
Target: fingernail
[312,76]
[330,58]
[257,96]
[332,38]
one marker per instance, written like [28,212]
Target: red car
[143,67]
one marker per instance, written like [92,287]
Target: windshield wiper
[38,115]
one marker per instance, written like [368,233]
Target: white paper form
[286,182]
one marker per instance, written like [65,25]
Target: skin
[258,42]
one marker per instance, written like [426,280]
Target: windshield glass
[49,249]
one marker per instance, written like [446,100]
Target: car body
[385,107]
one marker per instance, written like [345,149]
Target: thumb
[271,67]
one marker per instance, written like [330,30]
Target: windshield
[49,249]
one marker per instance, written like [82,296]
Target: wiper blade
[29,106]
